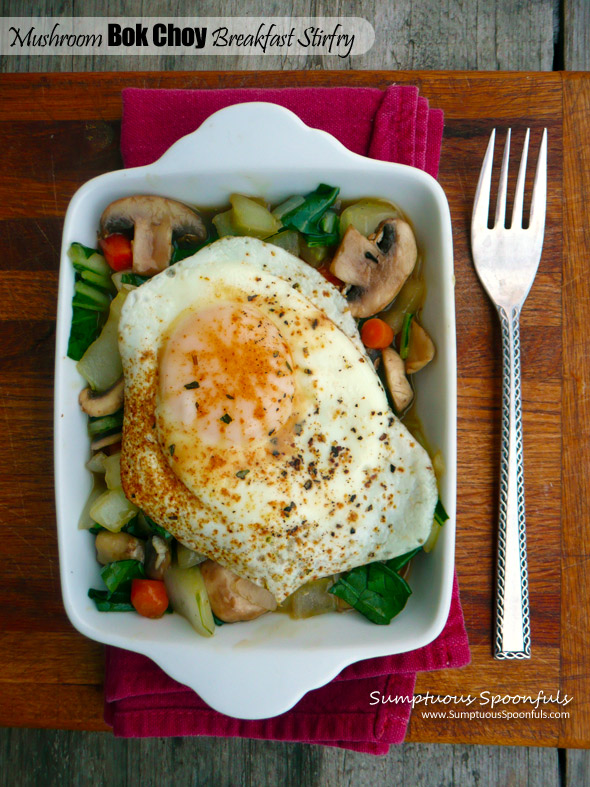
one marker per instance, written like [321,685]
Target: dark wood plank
[28,295]
[44,160]
[32,244]
[73,96]
[53,705]
[575,610]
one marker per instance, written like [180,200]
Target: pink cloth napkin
[395,125]
[140,699]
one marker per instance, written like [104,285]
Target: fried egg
[256,429]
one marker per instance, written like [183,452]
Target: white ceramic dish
[262,668]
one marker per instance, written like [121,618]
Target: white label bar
[186,36]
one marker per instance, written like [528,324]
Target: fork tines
[482,197]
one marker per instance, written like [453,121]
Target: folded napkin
[140,699]
[395,125]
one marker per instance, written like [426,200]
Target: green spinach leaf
[111,602]
[313,220]
[158,529]
[376,590]
[133,278]
[118,576]
[397,563]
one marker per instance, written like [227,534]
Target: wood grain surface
[409,34]
[575,550]
[59,130]
[57,757]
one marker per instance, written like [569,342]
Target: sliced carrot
[376,334]
[149,597]
[117,251]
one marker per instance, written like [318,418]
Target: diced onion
[86,521]
[112,476]
[112,510]
[96,463]
[188,557]
[311,599]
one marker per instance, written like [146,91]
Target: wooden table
[58,130]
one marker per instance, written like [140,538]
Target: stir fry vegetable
[318,225]
[377,590]
[149,597]
[405,338]
[376,334]
[117,251]
[91,298]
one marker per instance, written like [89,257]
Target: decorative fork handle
[513,632]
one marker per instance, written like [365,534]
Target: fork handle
[513,632]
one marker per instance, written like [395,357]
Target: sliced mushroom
[155,220]
[157,557]
[376,267]
[233,598]
[103,442]
[104,403]
[395,377]
[111,547]
[420,349]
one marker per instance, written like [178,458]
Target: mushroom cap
[233,598]
[104,403]
[155,220]
[421,349]
[123,213]
[376,267]
[111,547]
[103,442]
[395,377]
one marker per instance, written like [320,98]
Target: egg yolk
[225,376]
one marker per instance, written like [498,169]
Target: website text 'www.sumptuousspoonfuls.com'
[484,705]
[504,713]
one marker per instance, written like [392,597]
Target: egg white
[343,484]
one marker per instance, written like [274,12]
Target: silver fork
[506,261]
